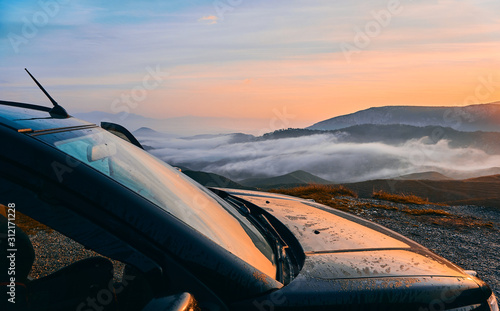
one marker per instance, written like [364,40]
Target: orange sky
[326,86]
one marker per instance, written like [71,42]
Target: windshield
[170,189]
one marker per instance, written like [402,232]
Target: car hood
[338,245]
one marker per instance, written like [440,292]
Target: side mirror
[177,302]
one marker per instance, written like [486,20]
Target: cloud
[210,20]
[323,155]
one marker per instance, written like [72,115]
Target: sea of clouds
[322,155]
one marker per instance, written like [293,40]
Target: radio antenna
[57,111]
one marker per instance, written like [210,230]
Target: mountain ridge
[214,180]
[294,178]
[395,134]
[430,175]
[489,178]
[483,117]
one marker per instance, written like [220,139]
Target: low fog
[323,155]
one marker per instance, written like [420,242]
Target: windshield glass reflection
[169,189]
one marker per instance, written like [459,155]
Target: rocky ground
[54,251]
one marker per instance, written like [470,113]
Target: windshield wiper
[263,224]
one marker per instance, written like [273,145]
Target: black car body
[215,249]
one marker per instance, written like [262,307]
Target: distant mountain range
[293,179]
[482,191]
[177,126]
[467,175]
[424,176]
[351,154]
[301,178]
[482,117]
[490,178]
[213,180]
[427,143]
[147,132]
[395,134]
[188,125]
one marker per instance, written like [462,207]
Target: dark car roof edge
[25,105]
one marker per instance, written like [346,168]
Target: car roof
[24,117]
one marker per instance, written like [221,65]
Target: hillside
[471,174]
[424,176]
[483,117]
[285,181]
[453,192]
[488,179]
[147,132]
[213,180]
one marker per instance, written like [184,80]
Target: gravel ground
[54,251]
[473,246]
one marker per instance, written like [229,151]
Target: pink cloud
[211,19]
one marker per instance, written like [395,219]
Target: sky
[271,64]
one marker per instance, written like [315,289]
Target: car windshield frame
[170,190]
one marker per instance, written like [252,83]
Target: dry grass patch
[371,205]
[462,223]
[427,211]
[317,190]
[329,196]
[343,199]
[324,194]
[402,198]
